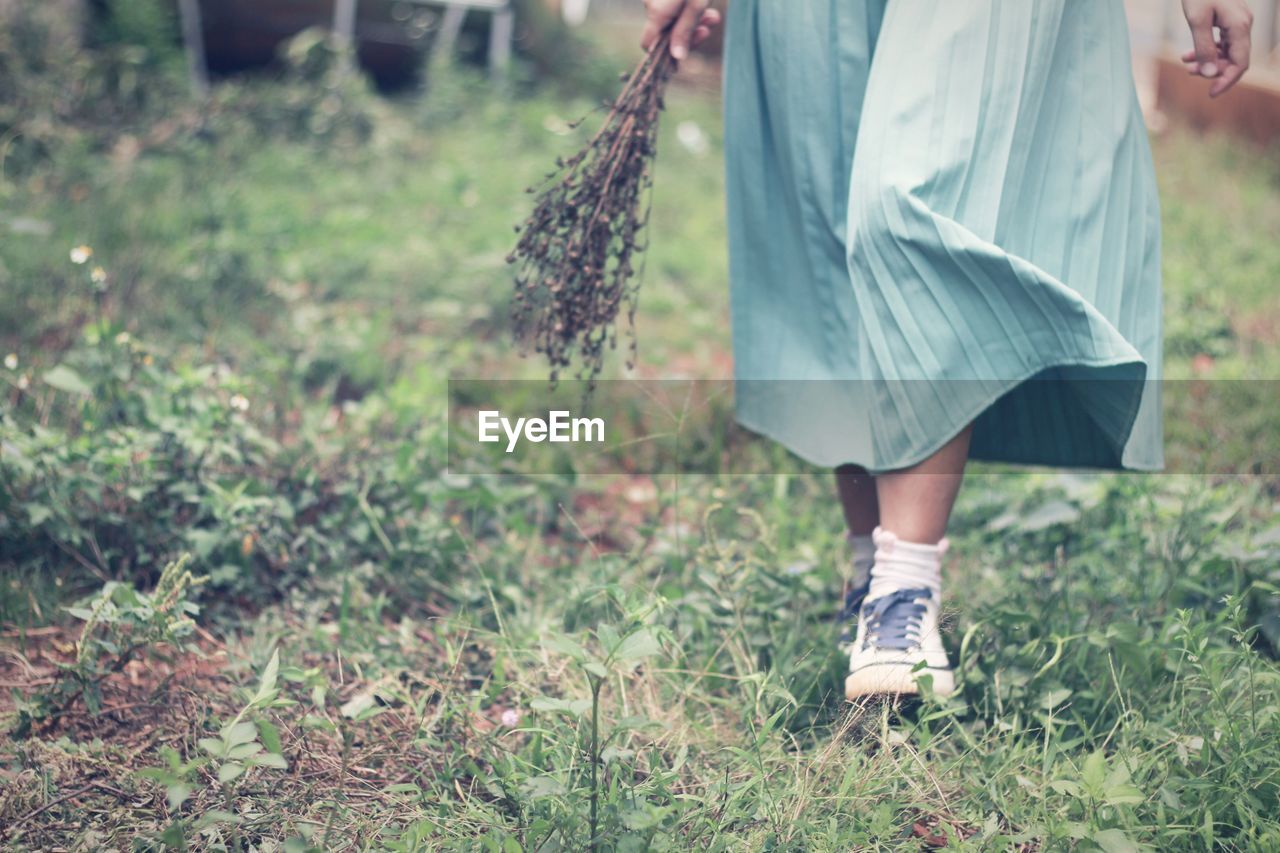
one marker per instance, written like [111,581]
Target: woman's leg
[857,490]
[897,637]
[915,503]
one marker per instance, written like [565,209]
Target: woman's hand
[1225,59]
[693,23]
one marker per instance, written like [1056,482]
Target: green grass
[472,662]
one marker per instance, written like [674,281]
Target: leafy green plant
[249,740]
[359,709]
[121,624]
[151,457]
[56,93]
[315,99]
[602,655]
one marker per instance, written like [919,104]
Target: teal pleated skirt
[942,213]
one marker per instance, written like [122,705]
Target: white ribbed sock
[863,551]
[905,565]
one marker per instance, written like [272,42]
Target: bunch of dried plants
[578,253]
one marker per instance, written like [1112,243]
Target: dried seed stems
[578,250]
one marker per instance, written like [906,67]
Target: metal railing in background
[392,25]
[501,31]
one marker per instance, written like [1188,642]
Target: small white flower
[511,718]
[240,402]
[11,361]
[98,276]
[24,382]
[123,338]
[81,254]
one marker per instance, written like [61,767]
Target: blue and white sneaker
[897,641]
[856,586]
[854,594]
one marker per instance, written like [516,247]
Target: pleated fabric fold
[938,214]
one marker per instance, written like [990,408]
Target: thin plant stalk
[597,684]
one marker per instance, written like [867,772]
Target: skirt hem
[917,456]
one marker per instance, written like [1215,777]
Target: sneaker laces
[893,620]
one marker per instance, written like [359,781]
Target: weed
[121,624]
[248,740]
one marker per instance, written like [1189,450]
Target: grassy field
[368,651]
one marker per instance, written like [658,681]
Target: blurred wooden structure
[390,37]
[193,42]
[1251,109]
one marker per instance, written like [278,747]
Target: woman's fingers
[682,32]
[1223,59]
[1205,50]
[659,14]
[710,20]
[1236,35]
[650,34]
[693,24]
[1192,64]
[1226,80]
